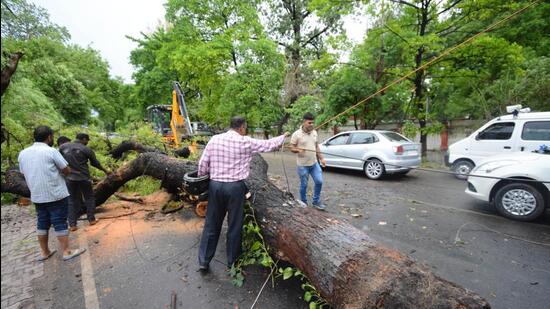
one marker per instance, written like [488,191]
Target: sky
[103,25]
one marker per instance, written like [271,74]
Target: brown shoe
[73,228]
[94,222]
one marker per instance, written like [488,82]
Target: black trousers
[223,197]
[82,198]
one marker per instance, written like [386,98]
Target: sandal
[42,258]
[74,253]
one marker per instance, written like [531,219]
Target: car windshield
[395,137]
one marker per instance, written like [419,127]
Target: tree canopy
[273,60]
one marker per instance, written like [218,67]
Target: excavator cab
[172,121]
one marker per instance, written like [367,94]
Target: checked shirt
[227,156]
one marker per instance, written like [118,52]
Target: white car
[368,150]
[523,132]
[516,197]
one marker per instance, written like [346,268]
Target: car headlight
[491,166]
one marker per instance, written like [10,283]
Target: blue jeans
[52,213]
[317,175]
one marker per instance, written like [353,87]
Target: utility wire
[424,66]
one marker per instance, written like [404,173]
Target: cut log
[348,268]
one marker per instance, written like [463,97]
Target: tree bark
[8,71]
[125,146]
[348,268]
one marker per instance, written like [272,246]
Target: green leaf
[312,305]
[288,272]
[307,296]
[256,245]
[266,261]
[297,273]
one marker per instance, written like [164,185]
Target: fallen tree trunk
[125,146]
[14,182]
[348,268]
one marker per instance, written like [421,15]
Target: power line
[424,66]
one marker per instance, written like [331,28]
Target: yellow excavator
[172,121]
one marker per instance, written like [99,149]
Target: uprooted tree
[347,267]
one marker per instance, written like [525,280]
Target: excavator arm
[180,122]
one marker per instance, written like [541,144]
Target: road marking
[88,282]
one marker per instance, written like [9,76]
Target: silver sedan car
[375,152]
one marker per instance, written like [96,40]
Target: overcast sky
[103,25]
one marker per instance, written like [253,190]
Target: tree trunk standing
[419,80]
[293,77]
[348,268]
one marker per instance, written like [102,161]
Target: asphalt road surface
[429,217]
[138,261]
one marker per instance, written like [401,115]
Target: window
[536,131]
[497,131]
[363,138]
[395,137]
[339,140]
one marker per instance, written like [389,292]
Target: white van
[510,133]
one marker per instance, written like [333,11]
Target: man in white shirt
[304,143]
[42,166]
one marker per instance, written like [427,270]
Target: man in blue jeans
[42,165]
[304,143]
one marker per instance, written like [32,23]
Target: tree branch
[405,3]
[313,37]
[398,35]
[449,7]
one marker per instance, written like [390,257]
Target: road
[429,217]
[138,260]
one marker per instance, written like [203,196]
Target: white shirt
[41,165]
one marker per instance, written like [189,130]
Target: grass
[142,185]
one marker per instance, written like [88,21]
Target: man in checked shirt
[226,159]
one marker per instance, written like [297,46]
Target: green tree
[301,27]
[23,21]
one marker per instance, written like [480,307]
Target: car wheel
[462,169]
[519,201]
[374,169]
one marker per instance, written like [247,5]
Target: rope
[284,170]
[422,67]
